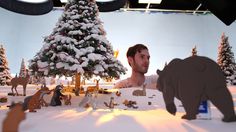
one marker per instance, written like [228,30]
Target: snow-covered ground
[147,118]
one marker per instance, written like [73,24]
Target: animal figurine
[87,100]
[41,98]
[94,88]
[13,119]
[104,91]
[140,92]
[118,93]
[130,104]
[34,102]
[20,81]
[193,80]
[67,99]
[111,103]
[3,99]
[57,96]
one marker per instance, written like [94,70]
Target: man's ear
[130,61]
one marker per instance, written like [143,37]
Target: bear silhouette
[193,80]
[57,96]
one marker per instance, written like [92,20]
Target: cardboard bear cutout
[193,80]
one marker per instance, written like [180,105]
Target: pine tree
[5,76]
[23,69]
[194,51]
[226,58]
[77,45]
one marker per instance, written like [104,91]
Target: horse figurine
[20,81]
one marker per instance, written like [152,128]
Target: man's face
[140,62]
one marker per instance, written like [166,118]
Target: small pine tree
[5,76]
[77,45]
[226,58]
[23,69]
[194,51]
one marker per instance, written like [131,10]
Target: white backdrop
[167,35]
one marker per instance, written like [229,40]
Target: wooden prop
[140,92]
[20,81]
[13,119]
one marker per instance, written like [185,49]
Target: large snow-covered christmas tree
[5,76]
[77,45]
[226,58]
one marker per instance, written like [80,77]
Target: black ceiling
[165,4]
[225,10]
[169,5]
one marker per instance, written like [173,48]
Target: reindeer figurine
[140,92]
[95,88]
[20,81]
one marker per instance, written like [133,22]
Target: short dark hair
[134,49]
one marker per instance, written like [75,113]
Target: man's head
[138,58]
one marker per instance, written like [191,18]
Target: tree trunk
[77,83]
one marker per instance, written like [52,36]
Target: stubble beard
[140,69]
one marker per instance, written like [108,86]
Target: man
[138,59]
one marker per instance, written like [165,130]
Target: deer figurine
[94,88]
[20,81]
[140,92]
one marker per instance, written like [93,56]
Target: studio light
[149,1]
[33,1]
[28,7]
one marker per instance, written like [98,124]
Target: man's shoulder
[151,77]
[122,83]
[151,81]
